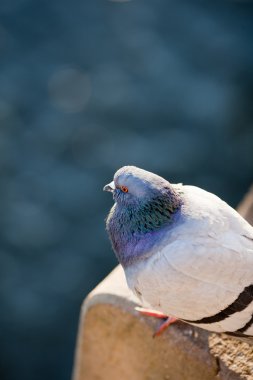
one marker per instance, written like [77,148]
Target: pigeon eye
[124,189]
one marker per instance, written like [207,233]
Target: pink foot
[164,326]
[157,314]
[151,313]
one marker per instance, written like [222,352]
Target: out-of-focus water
[86,87]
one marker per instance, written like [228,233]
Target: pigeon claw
[164,326]
[157,314]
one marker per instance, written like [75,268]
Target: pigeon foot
[157,314]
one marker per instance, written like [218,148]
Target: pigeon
[185,253]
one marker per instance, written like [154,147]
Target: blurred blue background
[86,87]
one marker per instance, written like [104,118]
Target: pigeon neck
[135,230]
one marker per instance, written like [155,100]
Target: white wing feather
[206,263]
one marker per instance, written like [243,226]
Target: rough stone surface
[115,342]
[234,355]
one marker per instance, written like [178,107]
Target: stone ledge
[116,343]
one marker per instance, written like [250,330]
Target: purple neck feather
[136,231]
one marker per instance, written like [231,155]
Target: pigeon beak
[110,187]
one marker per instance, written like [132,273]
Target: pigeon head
[145,203]
[134,186]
